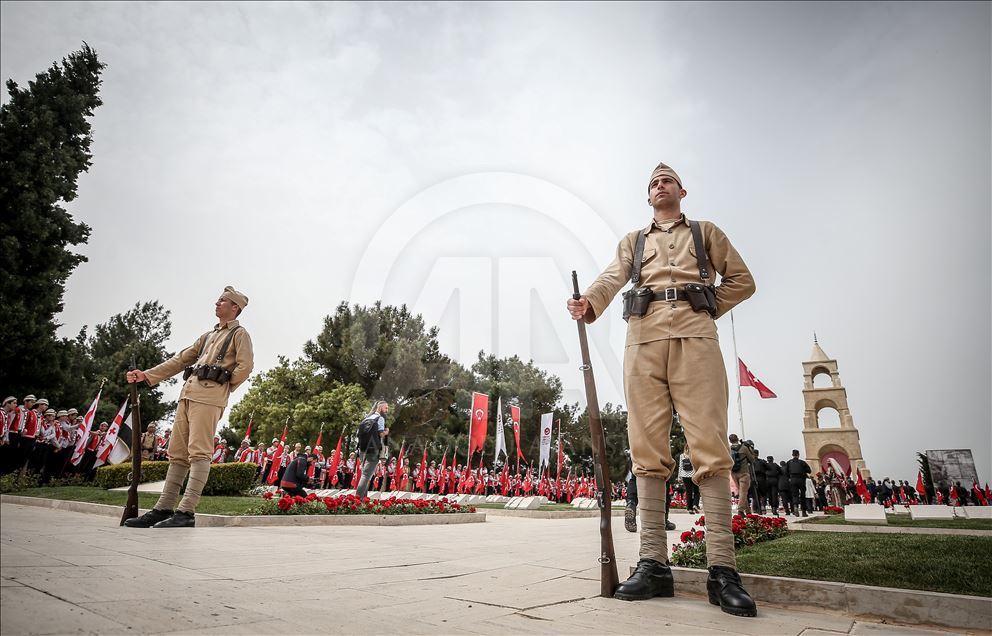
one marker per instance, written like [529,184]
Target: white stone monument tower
[842,444]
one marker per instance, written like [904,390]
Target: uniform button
[669,231]
[671,246]
[672,263]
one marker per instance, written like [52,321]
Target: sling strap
[702,259]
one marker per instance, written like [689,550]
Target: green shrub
[230,479]
[224,479]
[116,476]
[13,482]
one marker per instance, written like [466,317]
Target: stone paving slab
[508,575]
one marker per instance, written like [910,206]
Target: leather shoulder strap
[635,269]
[227,343]
[702,259]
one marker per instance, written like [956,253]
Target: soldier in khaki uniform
[672,359]
[201,404]
[149,441]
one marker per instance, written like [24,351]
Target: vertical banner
[107,445]
[545,460]
[515,418]
[478,424]
[500,436]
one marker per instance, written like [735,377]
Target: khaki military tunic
[202,402]
[148,443]
[672,356]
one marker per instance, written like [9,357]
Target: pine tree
[45,139]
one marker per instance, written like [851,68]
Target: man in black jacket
[296,474]
[772,473]
[798,470]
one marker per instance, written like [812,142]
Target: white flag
[84,430]
[546,423]
[107,445]
[500,438]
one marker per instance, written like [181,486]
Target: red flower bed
[352,505]
[691,553]
[833,510]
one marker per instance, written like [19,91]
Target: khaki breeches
[193,431]
[687,374]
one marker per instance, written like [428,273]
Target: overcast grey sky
[463,158]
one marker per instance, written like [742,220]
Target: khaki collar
[654,224]
[227,325]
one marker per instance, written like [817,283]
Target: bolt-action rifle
[131,508]
[604,487]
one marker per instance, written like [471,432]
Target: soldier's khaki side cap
[663,169]
[9,398]
[235,297]
[29,398]
[62,414]
[42,401]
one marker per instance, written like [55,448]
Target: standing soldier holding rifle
[673,360]
[213,366]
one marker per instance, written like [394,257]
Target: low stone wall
[550,514]
[910,607]
[218,521]
[808,526]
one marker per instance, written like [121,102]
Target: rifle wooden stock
[131,508]
[604,487]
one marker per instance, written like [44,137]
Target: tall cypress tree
[44,145]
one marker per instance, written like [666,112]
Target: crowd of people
[400,474]
[38,439]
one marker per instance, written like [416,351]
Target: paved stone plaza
[66,572]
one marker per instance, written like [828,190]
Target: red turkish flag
[332,470]
[978,494]
[862,489]
[748,379]
[422,474]
[480,423]
[515,418]
[920,488]
[277,458]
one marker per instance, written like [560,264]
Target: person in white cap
[7,414]
[216,364]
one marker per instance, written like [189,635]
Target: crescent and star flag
[862,489]
[478,423]
[248,430]
[442,477]
[545,458]
[277,458]
[398,473]
[84,430]
[920,487]
[515,418]
[422,476]
[320,436]
[107,445]
[332,470]
[748,379]
[979,495]
[500,437]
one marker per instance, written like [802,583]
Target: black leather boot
[179,520]
[650,579]
[630,519]
[725,589]
[148,519]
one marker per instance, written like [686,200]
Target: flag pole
[737,366]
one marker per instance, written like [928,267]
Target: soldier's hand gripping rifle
[604,487]
[131,508]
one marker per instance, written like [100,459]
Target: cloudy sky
[464,158]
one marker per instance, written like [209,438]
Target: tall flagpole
[737,366]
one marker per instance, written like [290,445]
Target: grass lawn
[936,563]
[903,521]
[92,494]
